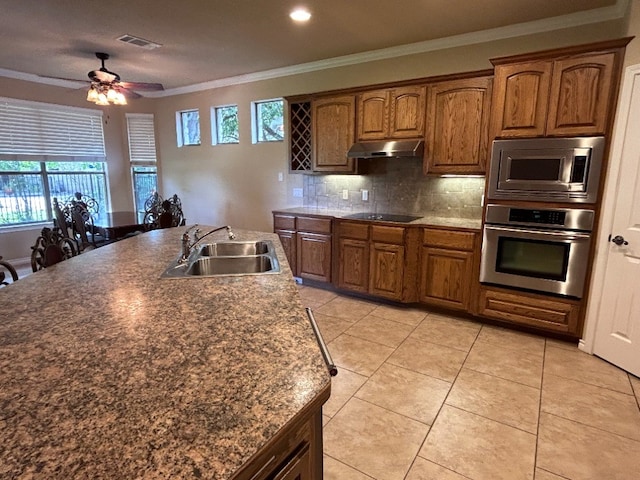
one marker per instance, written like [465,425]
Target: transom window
[267,121]
[224,124]
[188,127]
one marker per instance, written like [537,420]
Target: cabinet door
[457,126]
[580,95]
[373,115]
[298,468]
[288,241]
[406,112]
[386,270]
[314,256]
[445,277]
[520,99]
[353,270]
[333,133]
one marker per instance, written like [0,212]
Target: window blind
[142,139]
[49,132]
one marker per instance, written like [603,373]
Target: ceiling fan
[106,86]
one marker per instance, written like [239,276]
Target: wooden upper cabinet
[333,133]
[406,118]
[558,97]
[520,99]
[581,91]
[373,115]
[457,126]
[391,113]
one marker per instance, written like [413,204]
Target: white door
[617,317]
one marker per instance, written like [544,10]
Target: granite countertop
[426,220]
[109,371]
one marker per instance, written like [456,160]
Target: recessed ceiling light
[300,15]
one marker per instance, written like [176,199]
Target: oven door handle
[565,235]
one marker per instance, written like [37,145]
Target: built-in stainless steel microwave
[546,169]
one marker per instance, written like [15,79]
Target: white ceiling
[212,40]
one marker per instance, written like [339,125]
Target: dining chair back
[51,247]
[4,265]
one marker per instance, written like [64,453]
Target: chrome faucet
[187,245]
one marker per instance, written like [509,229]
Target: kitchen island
[109,371]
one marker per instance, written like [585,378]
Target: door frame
[609,200]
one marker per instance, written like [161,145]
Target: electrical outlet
[297,192]
[365,195]
[345,194]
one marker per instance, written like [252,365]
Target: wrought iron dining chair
[82,211]
[9,268]
[51,247]
[161,213]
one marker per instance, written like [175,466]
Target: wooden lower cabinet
[314,256]
[288,241]
[447,269]
[353,269]
[540,311]
[445,277]
[386,270]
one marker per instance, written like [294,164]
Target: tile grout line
[535,453]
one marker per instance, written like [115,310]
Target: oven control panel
[547,217]
[552,218]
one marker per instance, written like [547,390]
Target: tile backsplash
[396,185]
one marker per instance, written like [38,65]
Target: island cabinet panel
[457,126]
[447,268]
[392,113]
[386,270]
[333,132]
[562,96]
[544,312]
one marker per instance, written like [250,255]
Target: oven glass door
[539,260]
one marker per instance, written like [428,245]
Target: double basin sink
[227,259]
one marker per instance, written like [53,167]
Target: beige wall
[238,184]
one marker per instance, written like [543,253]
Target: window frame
[180,128]
[256,127]
[216,127]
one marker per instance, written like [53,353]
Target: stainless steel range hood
[386,149]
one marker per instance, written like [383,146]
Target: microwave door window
[533,258]
[534,169]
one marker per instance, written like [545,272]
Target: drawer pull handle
[333,370]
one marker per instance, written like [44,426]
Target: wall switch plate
[297,192]
[365,195]
[345,194]
[280,176]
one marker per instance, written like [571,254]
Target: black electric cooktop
[382,217]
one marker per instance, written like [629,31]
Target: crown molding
[587,17]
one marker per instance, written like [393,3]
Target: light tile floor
[425,396]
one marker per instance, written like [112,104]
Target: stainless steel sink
[232,249]
[226,259]
[205,266]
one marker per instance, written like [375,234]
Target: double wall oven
[531,245]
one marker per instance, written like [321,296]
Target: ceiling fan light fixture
[105,94]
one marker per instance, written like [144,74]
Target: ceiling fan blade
[75,80]
[142,86]
[129,93]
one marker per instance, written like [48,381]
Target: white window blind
[50,132]
[142,139]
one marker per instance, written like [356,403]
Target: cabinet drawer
[284,222]
[316,225]
[448,239]
[380,233]
[549,314]
[357,231]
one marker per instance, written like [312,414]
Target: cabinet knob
[619,240]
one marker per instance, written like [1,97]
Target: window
[48,151]
[142,155]
[268,121]
[224,124]
[188,127]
